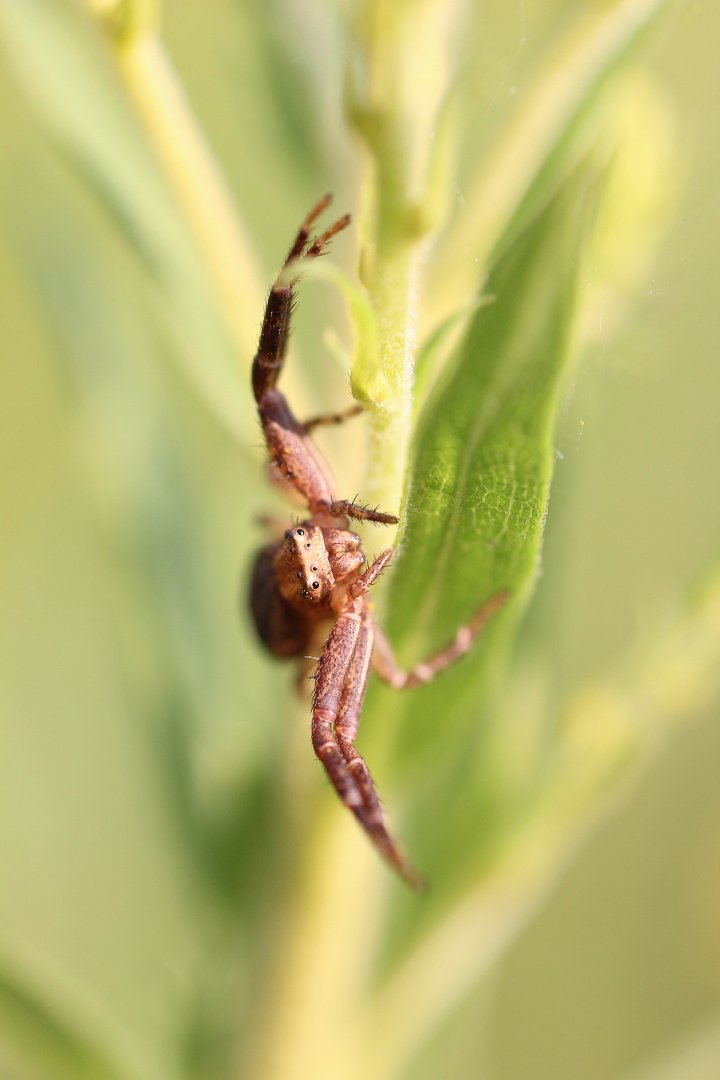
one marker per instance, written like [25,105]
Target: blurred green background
[131,690]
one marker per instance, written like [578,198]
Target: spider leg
[373,572]
[318,246]
[348,715]
[330,678]
[275,330]
[361,513]
[346,729]
[303,235]
[273,522]
[331,418]
[291,450]
[386,666]
[340,685]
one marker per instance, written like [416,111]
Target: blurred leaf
[695,1056]
[276,36]
[538,145]
[50,1042]
[673,679]
[142,449]
[65,70]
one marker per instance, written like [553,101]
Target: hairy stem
[389,431]
[395,85]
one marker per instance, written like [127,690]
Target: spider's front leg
[291,450]
[340,685]
[295,456]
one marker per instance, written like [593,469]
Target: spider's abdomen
[283,630]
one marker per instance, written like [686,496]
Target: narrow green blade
[476,505]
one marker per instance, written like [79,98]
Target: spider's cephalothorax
[312,581]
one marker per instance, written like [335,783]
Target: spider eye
[316,584]
[301,532]
[298,575]
[314,569]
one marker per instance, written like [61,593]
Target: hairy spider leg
[386,666]
[303,233]
[291,450]
[346,729]
[298,460]
[275,330]
[330,681]
[361,513]
[318,246]
[340,685]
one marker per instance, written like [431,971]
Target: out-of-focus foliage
[182,895]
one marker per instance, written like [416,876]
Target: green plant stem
[396,83]
[608,731]
[188,164]
[391,270]
[326,960]
[395,86]
[389,426]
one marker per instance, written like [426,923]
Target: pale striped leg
[386,666]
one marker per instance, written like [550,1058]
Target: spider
[317,577]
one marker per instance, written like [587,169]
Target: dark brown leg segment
[331,418]
[385,664]
[291,450]
[275,330]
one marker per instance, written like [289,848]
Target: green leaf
[475,512]
[483,451]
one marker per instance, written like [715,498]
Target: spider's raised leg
[291,450]
[386,666]
[275,330]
